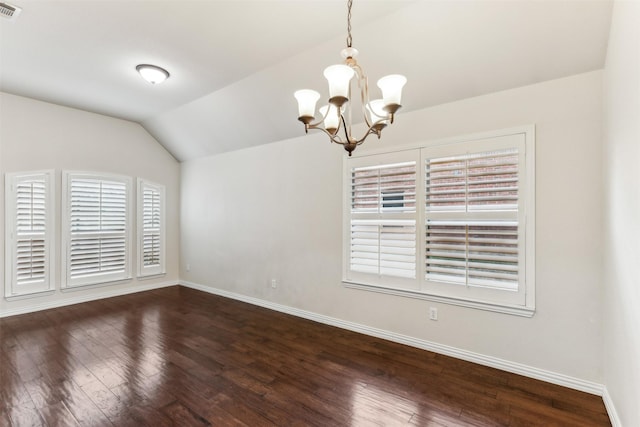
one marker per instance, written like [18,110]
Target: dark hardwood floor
[177,356]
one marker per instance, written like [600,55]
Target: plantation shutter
[472,222]
[151,228]
[382,240]
[386,248]
[31,219]
[29,215]
[98,230]
[452,221]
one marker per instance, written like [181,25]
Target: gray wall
[621,153]
[36,135]
[275,211]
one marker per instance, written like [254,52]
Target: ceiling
[235,64]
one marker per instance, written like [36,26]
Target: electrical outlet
[433,313]
[188,267]
[274,283]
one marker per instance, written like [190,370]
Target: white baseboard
[481,359]
[611,409]
[70,300]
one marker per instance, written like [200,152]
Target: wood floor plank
[58,415]
[176,356]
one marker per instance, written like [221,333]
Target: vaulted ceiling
[235,64]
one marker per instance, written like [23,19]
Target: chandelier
[337,115]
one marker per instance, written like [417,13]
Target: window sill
[28,295]
[71,288]
[515,310]
[151,276]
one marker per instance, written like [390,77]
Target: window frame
[97,279]
[12,288]
[160,269]
[501,301]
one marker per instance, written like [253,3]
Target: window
[459,228]
[151,228]
[29,233]
[382,223]
[96,228]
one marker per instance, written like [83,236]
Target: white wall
[621,155]
[274,211]
[36,135]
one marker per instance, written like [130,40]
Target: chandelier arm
[317,124]
[370,131]
[346,133]
[363,85]
[334,138]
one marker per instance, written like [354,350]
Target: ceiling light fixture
[377,113]
[152,73]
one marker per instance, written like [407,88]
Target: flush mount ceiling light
[152,73]
[337,114]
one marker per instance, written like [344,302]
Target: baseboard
[85,298]
[481,359]
[611,409]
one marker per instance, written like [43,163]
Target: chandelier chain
[349,38]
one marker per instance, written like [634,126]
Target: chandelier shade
[337,115]
[339,76]
[391,87]
[307,100]
[331,118]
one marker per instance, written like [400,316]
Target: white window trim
[48,285]
[161,268]
[67,283]
[527,309]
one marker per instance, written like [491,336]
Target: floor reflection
[372,405]
[177,356]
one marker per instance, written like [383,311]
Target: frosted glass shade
[391,87]
[307,99]
[331,119]
[338,77]
[376,112]
[152,73]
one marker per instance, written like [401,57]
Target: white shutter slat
[30,261]
[151,223]
[470,251]
[384,247]
[473,253]
[384,188]
[479,181]
[31,244]
[98,224]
